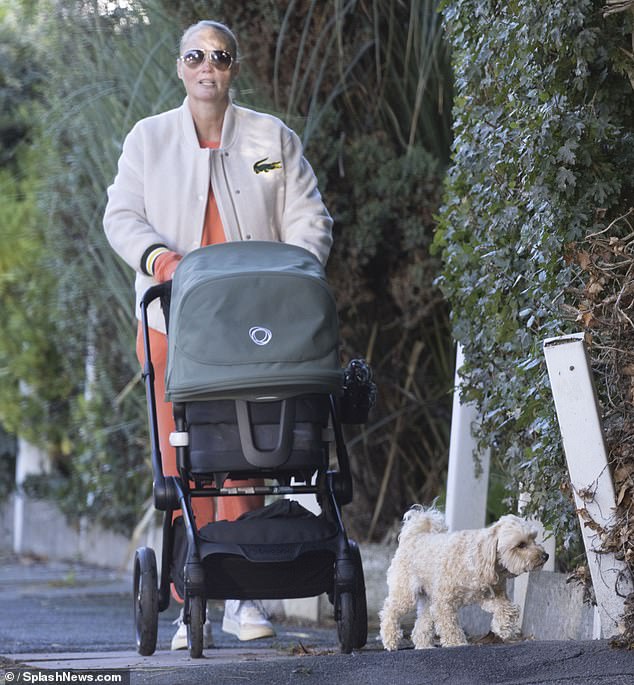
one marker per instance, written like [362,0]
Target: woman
[204,173]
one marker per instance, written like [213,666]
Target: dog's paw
[506,623]
[391,645]
[507,630]
[391,640]
[453,638]
[508,633]
[451,642]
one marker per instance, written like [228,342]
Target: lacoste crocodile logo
[262,166]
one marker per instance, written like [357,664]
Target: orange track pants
[228,508]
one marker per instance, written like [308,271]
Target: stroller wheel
[145,600]
[346,622]
[197,606]
[360,631]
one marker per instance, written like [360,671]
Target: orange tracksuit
[230,507]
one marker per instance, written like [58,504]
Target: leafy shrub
[542,159]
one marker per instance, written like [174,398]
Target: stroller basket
[280,551]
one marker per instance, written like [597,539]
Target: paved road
[70,616]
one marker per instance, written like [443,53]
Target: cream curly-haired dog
[451,570]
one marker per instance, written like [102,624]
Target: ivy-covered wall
[541,171]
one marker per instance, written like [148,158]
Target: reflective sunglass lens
[193,57]
[221,59]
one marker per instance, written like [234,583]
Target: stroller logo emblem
[260,335]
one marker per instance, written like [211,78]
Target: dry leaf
[584,260]
[622,493]
[594,288]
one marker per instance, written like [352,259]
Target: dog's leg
[505,622]
[445,615]
[399,601]
[423,633]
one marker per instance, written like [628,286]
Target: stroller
[254,378]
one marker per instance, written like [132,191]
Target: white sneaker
[179,641]
[246,619]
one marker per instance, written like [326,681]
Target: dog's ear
[489,551]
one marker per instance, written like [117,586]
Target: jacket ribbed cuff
[149,257]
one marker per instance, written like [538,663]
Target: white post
[30,461]
[583,441]
[467,479]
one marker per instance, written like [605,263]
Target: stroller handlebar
[165,490]
[160,290]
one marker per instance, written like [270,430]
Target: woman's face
[206,83]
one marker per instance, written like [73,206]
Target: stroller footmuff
[257,391]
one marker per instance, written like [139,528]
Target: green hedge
[542,158]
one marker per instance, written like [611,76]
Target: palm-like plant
[383,65]
[370,85]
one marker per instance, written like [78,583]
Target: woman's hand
[165,265]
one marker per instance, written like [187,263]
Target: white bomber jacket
[264,187]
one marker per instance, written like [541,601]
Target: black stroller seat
[257,390]
[283,438]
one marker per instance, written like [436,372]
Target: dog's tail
[419,520]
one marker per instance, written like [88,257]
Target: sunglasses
[220,59]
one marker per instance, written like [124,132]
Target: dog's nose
[545,556]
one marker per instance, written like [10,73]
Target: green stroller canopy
[251,320]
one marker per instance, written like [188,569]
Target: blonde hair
[216,26]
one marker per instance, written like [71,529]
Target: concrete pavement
[525,663]
[60,615]
[57,614]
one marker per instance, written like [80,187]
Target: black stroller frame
[220,564]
